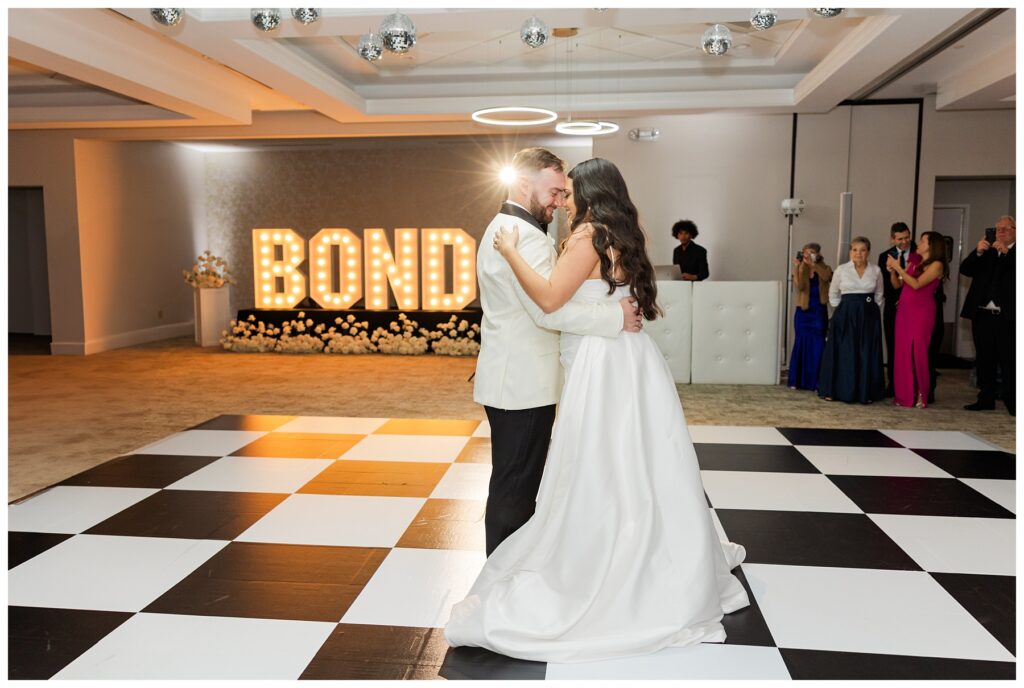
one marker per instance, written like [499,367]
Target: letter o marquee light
[348,266]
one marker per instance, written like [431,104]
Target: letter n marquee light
[277,255]
[398,269]
[336,268]
[435,258]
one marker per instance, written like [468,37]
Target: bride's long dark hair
[602,199]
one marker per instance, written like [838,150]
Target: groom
[518,372]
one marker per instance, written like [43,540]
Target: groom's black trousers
[519,446]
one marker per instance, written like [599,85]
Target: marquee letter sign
[343,268]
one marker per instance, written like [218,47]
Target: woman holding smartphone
[811,279]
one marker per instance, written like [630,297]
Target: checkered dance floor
[268,547]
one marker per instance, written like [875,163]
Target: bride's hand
[505,241]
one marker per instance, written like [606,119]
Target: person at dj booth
[691,258]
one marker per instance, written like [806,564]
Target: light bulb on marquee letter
[348,267]
[397,269]
[268,269]
[435,267]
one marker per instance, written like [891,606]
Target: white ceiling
[215,74]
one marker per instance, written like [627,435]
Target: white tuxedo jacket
[518,366]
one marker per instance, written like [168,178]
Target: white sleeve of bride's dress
[601,319]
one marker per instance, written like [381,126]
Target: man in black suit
[691,258]
[991,306]
[902,245]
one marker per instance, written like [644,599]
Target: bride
[621,557]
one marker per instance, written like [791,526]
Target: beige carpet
[68,413]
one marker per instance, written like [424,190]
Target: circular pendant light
[492,115]
[586,127]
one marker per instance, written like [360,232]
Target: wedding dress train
[621,557]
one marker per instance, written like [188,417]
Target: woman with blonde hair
[851,365]
[811,278]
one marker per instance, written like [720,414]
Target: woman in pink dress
[915,316]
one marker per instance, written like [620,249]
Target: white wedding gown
[621,556]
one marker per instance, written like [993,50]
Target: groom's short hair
[533,160]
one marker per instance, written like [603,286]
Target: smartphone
[990,234]
[799,255]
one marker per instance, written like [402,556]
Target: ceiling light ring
[483,116]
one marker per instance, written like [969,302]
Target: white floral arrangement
[208,272]
[296,338]
[400,338]
[349,336]
[248,336]
[456,338]
[351,339]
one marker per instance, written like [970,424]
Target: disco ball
[763,19]
[371,47]
[306,15]
[168,16]
[716,40]
[534,32]
[398,33]
[266,19]
[826,12]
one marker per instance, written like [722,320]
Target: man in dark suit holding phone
[991,305]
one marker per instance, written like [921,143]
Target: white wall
[727,173]
[140,212]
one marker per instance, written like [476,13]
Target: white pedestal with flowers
[209,277]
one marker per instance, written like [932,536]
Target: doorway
[28,291]
[964,207]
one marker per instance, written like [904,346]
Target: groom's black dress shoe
[980,406]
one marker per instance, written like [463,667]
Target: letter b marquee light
[343,267]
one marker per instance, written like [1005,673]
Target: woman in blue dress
[811,278]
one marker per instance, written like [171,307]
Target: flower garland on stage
[349,336]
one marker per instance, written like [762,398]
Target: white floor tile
[434,448]
[171,646]
[866,610]
[250,474]
[463,481]
[1002,492]
[937,439]
[775,492]
[416,587]
[704,661]
[202,442]
[337,520]
[332,425]
[946,544]
[72,508]
[734,434]
[107,572]
[482,430]
[888,461]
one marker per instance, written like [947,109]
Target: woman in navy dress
[851,365]
[811,279]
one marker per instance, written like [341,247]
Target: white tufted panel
[672,332]
[736,333]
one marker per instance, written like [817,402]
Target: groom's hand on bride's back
[631,319]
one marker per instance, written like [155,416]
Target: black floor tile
[268,581]
[973,464]
[390,653]
[838,438]
[190,514]
[917,496]
[476,663]
[800,538]
[141,470]
[747,626]
[752,457]
[990,599]
[23,546]
[42,641]
[229,422]
[822,665]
